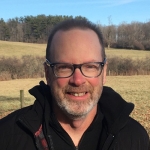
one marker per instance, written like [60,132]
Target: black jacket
[119,131]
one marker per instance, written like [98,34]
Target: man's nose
[77,78]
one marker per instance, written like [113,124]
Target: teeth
[78,94]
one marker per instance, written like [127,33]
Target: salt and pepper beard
[76,109]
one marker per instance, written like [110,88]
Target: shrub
[138,45]
[32,67]
[25,67]
[127,66]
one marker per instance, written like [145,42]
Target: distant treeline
[32,67]
[36,29]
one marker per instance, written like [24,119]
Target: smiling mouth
[77,94]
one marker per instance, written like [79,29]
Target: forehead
[75,43]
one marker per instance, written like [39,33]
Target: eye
[63,67]
[91,66]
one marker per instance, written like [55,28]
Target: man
[74,110]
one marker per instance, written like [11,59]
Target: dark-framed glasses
[65,70]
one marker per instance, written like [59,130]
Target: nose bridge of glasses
[77,66]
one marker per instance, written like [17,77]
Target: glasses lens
[63,70]
[91,69]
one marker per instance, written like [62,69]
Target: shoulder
[136,129]
[133,135]
[135,125]
[7,123]
[10,130]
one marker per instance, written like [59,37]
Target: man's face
[77,95]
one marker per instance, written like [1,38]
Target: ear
[104,73]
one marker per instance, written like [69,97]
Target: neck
[75,127]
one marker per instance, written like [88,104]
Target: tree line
[32,29]
[36,29]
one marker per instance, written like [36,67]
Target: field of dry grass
[123,53]
[19,49]
[135,89]
[10,93]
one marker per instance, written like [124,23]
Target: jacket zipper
[50,142]
[108,142]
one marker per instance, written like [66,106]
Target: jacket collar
[115,109]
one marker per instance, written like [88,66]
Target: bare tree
[109,33]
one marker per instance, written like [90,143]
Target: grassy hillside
[18,49]
[134,54]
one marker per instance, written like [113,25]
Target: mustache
[82,88]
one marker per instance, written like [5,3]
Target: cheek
[59,82]
[95,81]
[54,81]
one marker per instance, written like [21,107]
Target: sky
[102,12]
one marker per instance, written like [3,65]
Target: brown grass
[135,89]
[10,95]
[19,49]
[124,53]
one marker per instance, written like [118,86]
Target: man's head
[76,91]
